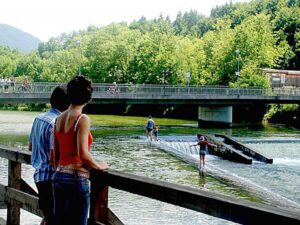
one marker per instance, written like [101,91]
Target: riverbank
[127,121]
[109,120]
[284,114]
[243,116]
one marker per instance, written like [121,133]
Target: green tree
[257,44]
[30,65]
[287,22]
[8,59]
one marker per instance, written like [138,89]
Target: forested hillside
[17,39]
[255,35]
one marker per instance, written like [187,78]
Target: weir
[245,149]
[181,150]
[17,195]
[227,151]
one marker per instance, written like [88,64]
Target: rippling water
[125,152]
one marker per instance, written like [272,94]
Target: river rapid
[126,150]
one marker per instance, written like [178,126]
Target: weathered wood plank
[15,155]
[227,152]
[14,177]
[2,197]
[99,201]
[26,201]
[95,223]
[113,219]
[245,149]
[27,188]
[236,210]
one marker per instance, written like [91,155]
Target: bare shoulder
[60,118]
[85,120]
[85,117]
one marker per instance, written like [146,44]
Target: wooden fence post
[99,199]
[14,178]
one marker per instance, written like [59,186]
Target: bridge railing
[149,90]
[174,90]
[286,91]
[18,194]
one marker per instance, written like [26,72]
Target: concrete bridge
[215,102]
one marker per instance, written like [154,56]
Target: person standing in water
[149,128]
[155,133]
[203,143]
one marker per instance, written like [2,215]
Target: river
[125,150]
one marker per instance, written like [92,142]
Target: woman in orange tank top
[72,157]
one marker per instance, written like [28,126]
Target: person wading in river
[149,128]
[41,145]
[203,143]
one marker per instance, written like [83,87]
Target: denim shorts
[71,199]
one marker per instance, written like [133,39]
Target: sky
[50,18]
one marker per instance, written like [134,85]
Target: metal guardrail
[132,89]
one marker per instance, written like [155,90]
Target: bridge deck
[157,94]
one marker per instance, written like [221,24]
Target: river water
[125,150]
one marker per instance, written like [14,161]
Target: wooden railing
[18,194]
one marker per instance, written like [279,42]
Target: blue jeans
[71,199]
[46,199]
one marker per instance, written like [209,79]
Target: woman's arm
[83,131]
[194,145]
[212,145]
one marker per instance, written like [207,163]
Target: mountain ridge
[15,38]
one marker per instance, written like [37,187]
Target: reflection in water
[201,179]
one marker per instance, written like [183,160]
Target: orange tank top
[67,141]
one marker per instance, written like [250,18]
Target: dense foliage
[255,35]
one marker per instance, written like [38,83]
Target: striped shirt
[42,141]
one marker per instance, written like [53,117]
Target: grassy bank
[114,121]
[102,120]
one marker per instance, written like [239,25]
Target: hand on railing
[103,166]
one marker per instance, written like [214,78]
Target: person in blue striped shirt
[41,142]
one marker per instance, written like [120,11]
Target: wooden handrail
[233,209]
[19,156]
[228,208]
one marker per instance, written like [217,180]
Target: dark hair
[201,136]
[59,99]
[80,90]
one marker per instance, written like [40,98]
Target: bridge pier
[215,116]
